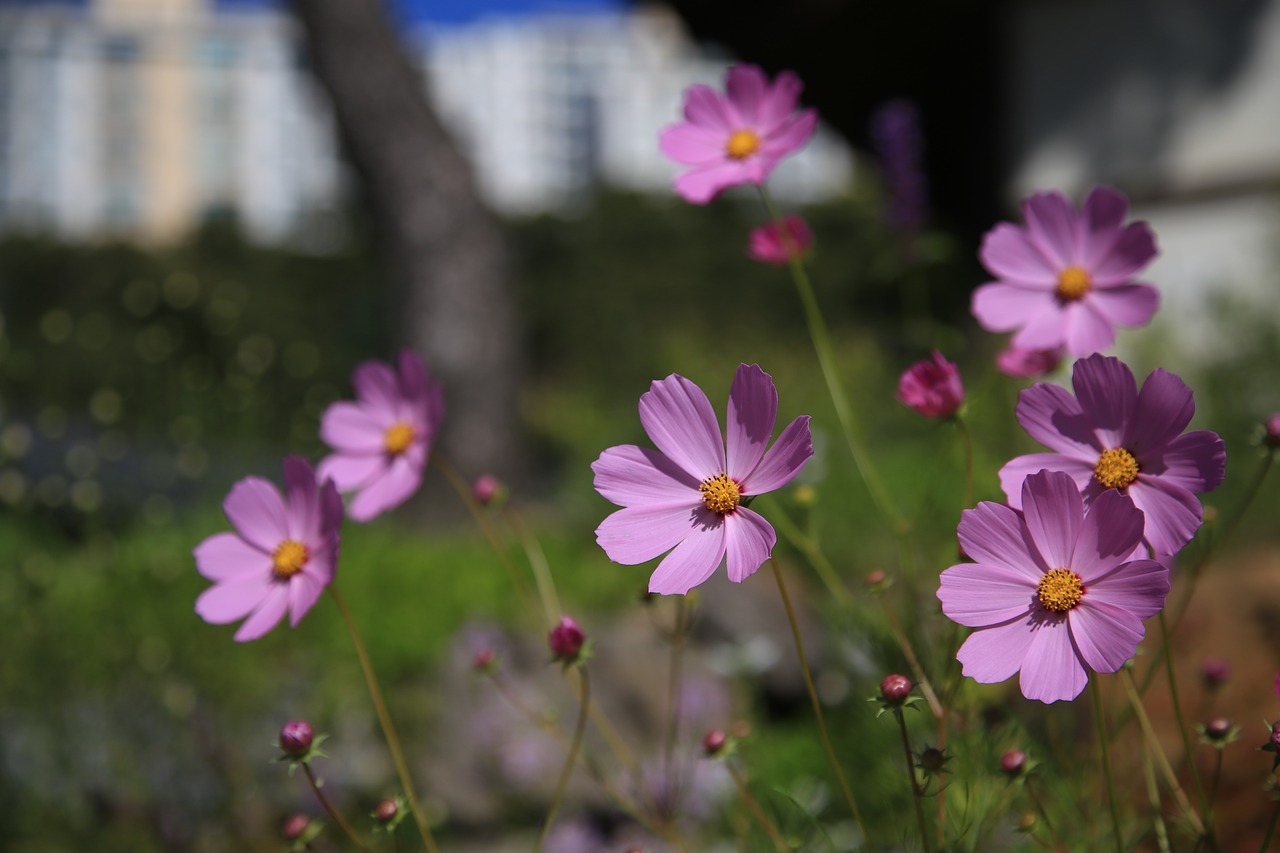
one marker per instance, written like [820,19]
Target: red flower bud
[566,640]
[295,738]
[896,688]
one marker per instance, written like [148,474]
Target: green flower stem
[1271,828]
[900,636]
[570,760]
[1206,812]
[384,719]
[1157,752]
[1040,810]
[675,669]
[333,813]
[1101,724]
[817,706]
[749,801]
[805,544]
[821,338]
[917,795]
[538,563]
[1153,796]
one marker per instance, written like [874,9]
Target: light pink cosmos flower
[738,137]
[1066,279]
[382,440]
[1111,436]
[767,243]
[932,387]
[1053,590]
[690,495]
[282,555]
[1027,364]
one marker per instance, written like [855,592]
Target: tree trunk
[445,251]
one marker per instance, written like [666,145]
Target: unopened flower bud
[1275,736]
[932,387]
[386,810]
[1218,728]
[714,742]
[932,760]
[1214,673]
[876,578]
[566,640]
[486,489]
[1013,762]
[895,688]
[484,661]
[1271,434]
[295,738]
[294,826]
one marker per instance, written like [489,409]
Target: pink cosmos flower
[767,244]
[738,137]
[690,495]
[1066,279]
[1053,590]
[282,555]
[932,387]
[1111,436]
[1027,364]
[382,440]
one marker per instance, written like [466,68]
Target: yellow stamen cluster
[1073,283]
[289,558]
[1116,468]
[742,144]
[1060,590]
[720,494]
[398,438]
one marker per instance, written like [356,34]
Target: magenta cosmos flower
[738,137]
[1066,279]
[1028,364]
[932,387]
[1053,590]
[690,494]
[282,555]
[381,441]
[777,244]
[1111,436]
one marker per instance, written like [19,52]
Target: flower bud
[714,742]
[1217,728]
[295,738]
[875,578]
[1013,762]
[566,640]
[1275,737]
[932,387]
[294,826]
[484,661]
[1027,363]
[1214,673]
[933,760]
[386,810]
[1271,433]
[486,489]
[776,244]
[895,688]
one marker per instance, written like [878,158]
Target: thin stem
[1271,828]
[817,706]
[758,813]
[1040,810]
[917,796]
[1101,718]
[1217,774]
[333,813]
[1153,796]
[1205,811]
[1162,761]
[574,745]
[674,676]
[384,719]
[966,440]
[538,563]
[821,338]
[895,628]
[805,544]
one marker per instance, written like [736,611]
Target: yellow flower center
[742,144]
[398,438]
[289,558]
[720,494]
[1073,283]
[1116,468]
[1060,590]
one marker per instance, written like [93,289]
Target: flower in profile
[1053,590]
[282,555]
[1027,363]
[738,137]
[382,440]
[932,387]
[690,496]
[1111,436]
[1066,279]
[777,243]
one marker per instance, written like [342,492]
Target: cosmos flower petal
[1173,514]
[749,541]
[1045,329]
[1165,406]
[1105,636]
[1108,396]
[235,597]
[1138,586]
[752,412]
[678,418]
[1053,417]
[1002,307]
[781,101]
[994,654]
[691,144]
[395,485]
[351,472]
[1196,461]
[704,107]
[225,555]
[1127,305]
[267,616]
[980,595]
[351,429]
[1016,470]
[632,476]
[1108,535]
[1087,328]
[1054,513]
[704,183]
[994,534]
[637,534]
[304,590]
[1052,669]
[1101,220]
[746,87]
[783,461]
[788,137]
[257,512]
[377,387]
[302,499]
[1133,249]
[1051,225]
[691,562]
[1008,254]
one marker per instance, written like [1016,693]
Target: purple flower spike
[1111,436]
[382,440]
[1066,279]
[1052,592]
[690,494]
[282,555]
[738,137]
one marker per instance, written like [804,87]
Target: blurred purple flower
[1027,363]
[932,387]
[899,146]
[767,243]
